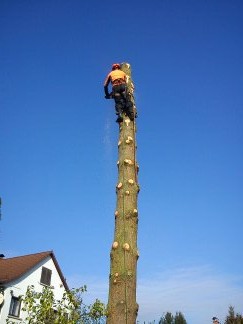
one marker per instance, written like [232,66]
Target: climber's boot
[119,118]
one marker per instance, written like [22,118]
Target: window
[15,304]
[46,276]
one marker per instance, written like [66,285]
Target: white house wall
[32,277]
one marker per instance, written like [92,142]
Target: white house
[16,274]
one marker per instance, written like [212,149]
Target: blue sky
[58,140]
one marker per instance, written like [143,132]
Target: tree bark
[122,306]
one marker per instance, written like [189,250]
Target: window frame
[45,278]
[15,305]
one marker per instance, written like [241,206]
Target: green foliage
[168,318]
[42,308]
[179,318]
[233,318]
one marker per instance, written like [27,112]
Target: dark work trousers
[122,104]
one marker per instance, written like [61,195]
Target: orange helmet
[116,66]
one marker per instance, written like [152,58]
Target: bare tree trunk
[122,306]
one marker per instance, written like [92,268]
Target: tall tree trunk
[122,306]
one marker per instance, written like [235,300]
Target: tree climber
[118,80]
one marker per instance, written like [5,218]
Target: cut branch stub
[126,246]
[137,167]
[127,121]
[115,245]
[119,185]
[127,161]
[129,140]
[135,212]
